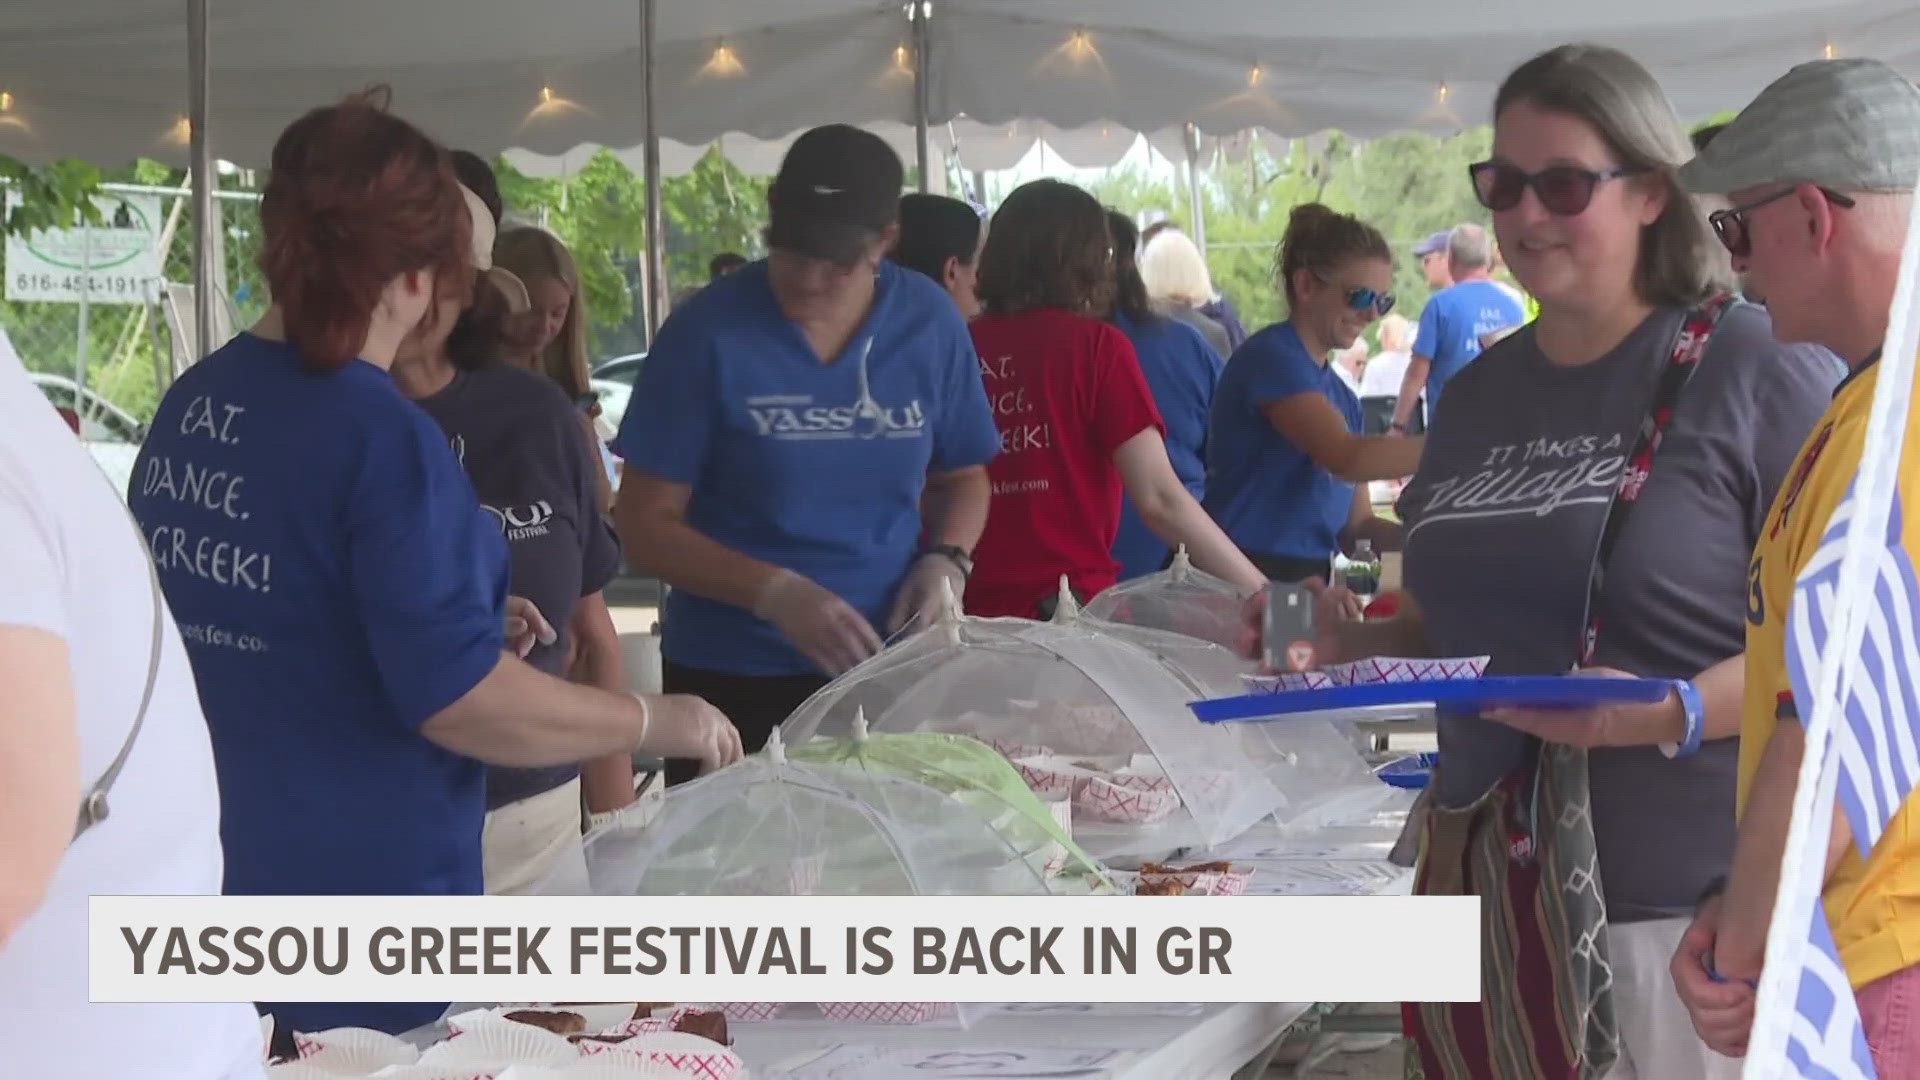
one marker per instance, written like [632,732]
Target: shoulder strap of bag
[1688,346]
[93,805]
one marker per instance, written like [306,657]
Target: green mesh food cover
[972,773]
[770,826]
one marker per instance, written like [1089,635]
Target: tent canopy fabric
[107,79]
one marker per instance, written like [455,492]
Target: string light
[903,59]
[546,96]
[1442,93]
[1829,50]
[1255,76]
[6,101]
[1080,45]
[724,62]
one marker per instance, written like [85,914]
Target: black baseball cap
[838,187]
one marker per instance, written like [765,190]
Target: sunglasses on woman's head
[1565,190]
[1361,298]
[1731,225]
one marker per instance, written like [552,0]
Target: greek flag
[1854,660]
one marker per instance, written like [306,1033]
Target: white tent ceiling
[106,79]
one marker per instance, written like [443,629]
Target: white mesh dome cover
[1316,764]
[1072,703]
[768,826]
[1181,599]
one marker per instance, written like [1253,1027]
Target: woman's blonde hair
[1680,261]
[531,253]
[1175,271]
[1393,333]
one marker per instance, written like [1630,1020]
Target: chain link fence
[106,344]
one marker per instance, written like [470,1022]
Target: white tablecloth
[1209,1046]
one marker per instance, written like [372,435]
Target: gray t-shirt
[531,462]
[1503,519]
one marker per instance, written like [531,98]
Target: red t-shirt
[1066,392]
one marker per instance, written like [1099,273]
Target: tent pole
[201,177]
[656,269]
[922,90]
[1196,207]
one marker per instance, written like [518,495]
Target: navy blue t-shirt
[814,467]
[1181,370]
[1452,324]
[1267,494]
[534,466]
[337,584]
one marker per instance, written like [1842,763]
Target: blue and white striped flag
[1853,657]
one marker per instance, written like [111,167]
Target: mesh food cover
[843,822]
[1316,764]
[1080,711]
[1180,599]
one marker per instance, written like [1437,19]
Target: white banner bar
[780,948]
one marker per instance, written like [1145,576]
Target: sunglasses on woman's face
[1565,190]
[1731,225]
[1361,298]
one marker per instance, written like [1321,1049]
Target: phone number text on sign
[100,288]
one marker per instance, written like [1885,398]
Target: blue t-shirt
[814,467]
[1268,495]
[1181,370]
[1452,325]
[337,584]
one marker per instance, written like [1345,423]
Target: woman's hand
[1333,607]
[1611,724]
[526,627]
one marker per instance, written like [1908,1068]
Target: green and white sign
[116,262]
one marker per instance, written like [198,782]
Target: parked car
[112,436]
[612,383]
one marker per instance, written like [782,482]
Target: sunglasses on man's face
[1732,228]
[1565,190]
[1361,298]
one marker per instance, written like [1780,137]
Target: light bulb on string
[1255,76]
[1828,52]
[6,101]
[903,59]
[1441,94]
[723,62]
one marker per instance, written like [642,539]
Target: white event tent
[109,79]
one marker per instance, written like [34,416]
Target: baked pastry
[1159,886]
[560,1023]
[1221,867]
[578,1039]
[708,1024]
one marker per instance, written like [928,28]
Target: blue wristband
[1696,715]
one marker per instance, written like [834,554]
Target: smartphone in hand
[1288,633]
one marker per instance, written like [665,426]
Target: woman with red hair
[340,589]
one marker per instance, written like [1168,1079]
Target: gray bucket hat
[1849,125]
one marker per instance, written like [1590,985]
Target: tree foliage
[55,196]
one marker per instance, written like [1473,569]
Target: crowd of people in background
[383,521]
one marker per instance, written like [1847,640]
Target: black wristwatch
[956,555]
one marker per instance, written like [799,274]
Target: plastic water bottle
[1361,575]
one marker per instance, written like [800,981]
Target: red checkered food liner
[890,1012]
[1126,799]
[689,1055]
[1379,669]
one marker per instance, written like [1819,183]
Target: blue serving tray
[1445,695]
[1411,772]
